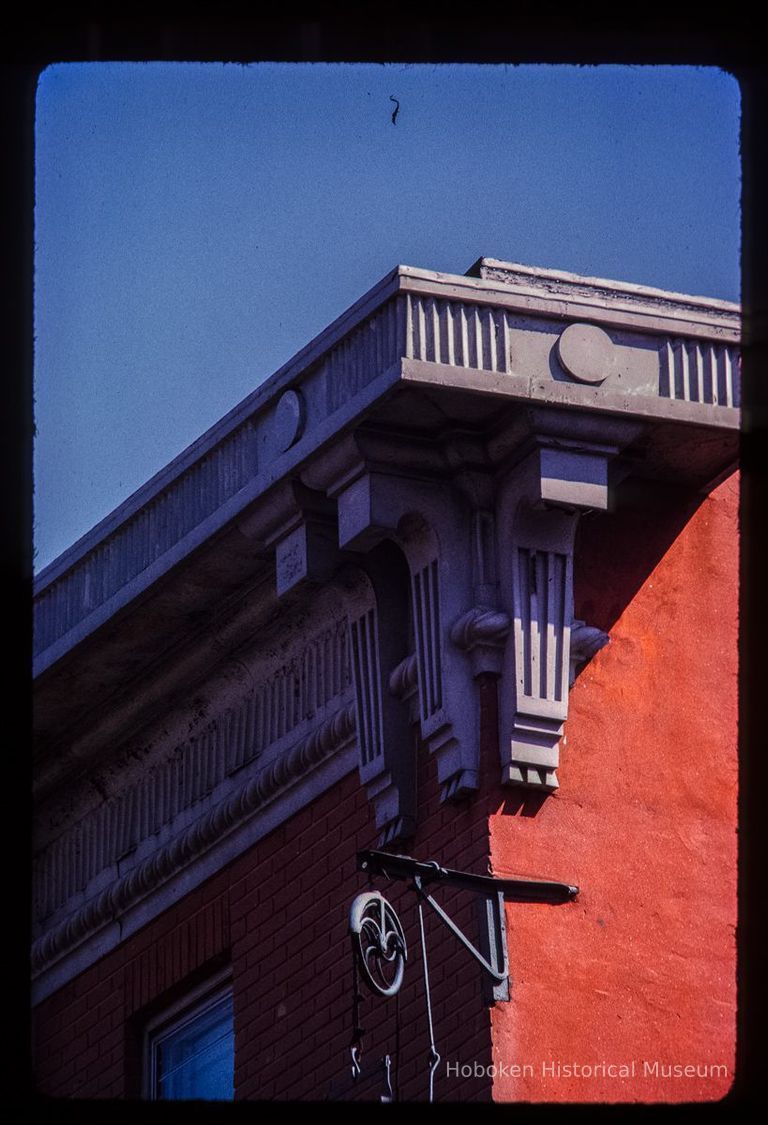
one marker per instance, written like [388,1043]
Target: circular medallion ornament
[289,419]
[378,942]
[586,352]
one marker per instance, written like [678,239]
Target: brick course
[279,915]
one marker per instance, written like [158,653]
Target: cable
[356,1045]
[434,1057]
[397,1047]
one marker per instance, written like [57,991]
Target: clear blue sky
[196,224]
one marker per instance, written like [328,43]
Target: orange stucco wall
[640,970]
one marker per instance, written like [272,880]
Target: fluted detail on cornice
[247,799]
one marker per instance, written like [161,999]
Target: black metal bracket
[493,958]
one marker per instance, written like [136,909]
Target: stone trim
[571,284]
[278,710]
[550,393]
[240,840]
[247,799]
[541,501]
[482,633]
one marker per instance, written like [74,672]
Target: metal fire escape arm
[513,890]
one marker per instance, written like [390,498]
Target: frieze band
[246,800]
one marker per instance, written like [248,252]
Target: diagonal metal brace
[499,974]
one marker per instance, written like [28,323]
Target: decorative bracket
[299,524]
[401,491]
[387,759]
[586,640]
[380,940]
[568,472]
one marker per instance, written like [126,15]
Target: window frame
[174,1018]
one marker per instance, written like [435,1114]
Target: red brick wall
[280,914]
[642,967]
[87,1035]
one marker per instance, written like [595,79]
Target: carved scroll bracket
[586,640]
[482,633]
[540,502]
[387,755]
[404,685]
[401,490]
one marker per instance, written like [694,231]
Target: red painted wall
[641,968]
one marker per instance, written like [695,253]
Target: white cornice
[461,324]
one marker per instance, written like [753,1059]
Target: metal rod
[514,890]
[434,1057]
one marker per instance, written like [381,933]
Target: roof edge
[561,281]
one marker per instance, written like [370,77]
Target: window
[190,1048]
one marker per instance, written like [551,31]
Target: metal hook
[434,1063]
[388,1079]
[356,1067]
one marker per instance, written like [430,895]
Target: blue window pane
[197,1059]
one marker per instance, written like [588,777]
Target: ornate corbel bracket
[542,501]
[387,756]
[542,594]
[402,492]
[301,528]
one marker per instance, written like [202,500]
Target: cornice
[631,350]
[247,798]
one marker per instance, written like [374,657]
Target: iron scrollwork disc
[379,943]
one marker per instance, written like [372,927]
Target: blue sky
[196,224]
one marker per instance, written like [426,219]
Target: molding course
[246,800]
[295,694]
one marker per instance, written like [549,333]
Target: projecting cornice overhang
[420,354]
